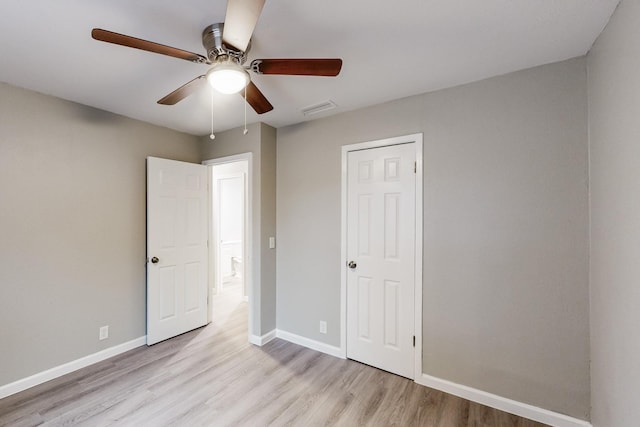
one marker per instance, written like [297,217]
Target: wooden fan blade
[123,40]
[298,67]
[240,21]
[256,99]
[183,91]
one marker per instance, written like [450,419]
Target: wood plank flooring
[214,377]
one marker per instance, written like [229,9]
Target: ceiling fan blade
[123,40]
[256,99]
[240,21]
[298,67]
[183,91]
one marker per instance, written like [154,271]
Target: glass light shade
[228,77]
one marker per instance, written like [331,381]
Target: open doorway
[230,240]
[229,185]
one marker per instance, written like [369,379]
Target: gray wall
[614,130]
[72,228]
[262,143]
[267,227]
[506,297]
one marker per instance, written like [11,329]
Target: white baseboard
[512,406]
[58,371]
[262,340]
[309,343]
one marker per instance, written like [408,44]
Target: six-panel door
[176,248]
[380,243]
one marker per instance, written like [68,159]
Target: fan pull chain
[245,131]
[212,136]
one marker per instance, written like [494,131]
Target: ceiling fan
[227,45]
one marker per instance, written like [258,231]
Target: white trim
[228,159]
[309,343]
[416,139]
[260,341]
[252,284]
[502,403]
[58,371]
[417,331]
[343,256]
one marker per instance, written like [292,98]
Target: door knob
[352,264]
[155,260]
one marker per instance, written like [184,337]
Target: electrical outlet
[323,327]
[104,332]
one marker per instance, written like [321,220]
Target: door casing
[417,139]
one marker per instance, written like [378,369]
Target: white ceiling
[390,49]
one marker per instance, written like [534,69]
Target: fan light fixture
[228,77]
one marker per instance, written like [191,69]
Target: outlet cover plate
[323,327]
[104,332]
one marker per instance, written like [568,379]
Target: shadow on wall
[94,115]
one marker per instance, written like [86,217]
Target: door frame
[415,138]
[248,237]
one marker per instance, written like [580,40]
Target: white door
[176,248]
[381,237]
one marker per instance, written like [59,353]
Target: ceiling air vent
[318,108]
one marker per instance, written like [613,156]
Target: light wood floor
[213,377]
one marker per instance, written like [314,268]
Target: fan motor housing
[215,47]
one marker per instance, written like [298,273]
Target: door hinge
[414,340]
[415,167]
